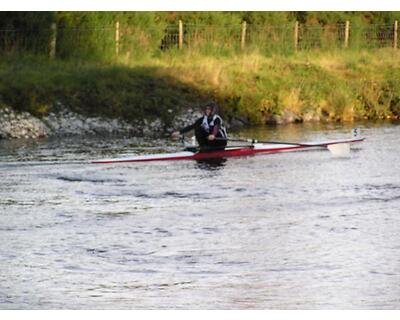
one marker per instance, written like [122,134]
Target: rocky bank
[16,125]
[64,122]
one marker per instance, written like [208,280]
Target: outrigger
[336,147]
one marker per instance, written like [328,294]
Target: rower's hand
[175,135]
[211,137]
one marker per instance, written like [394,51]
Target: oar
[355,132]
[270,142]
[337,149]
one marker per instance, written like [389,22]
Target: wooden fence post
[53,40]
[395,30]
[180,40]
[296,35]
[117,38]
[346,34]
[243,35]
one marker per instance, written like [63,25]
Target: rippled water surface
[285,231]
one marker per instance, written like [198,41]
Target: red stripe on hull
[240,152]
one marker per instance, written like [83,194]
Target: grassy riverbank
[39,86]
[336,85]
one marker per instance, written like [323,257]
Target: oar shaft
[270,142]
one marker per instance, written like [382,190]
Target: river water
[301,230]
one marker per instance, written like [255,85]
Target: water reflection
[211,164]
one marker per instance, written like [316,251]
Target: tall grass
[135,93]
[335,85]
[340,85]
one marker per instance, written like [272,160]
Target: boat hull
[228,153]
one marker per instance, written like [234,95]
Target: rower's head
[210,109]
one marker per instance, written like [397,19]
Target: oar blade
[339,149]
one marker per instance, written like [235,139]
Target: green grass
[132,93]
[342,85]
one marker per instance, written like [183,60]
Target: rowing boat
[238,151]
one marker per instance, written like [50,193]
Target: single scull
[335,146]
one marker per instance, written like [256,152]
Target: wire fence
[130,41]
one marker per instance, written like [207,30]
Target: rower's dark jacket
[205,126]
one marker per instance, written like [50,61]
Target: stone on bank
[64,122]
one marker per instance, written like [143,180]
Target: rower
[209,130]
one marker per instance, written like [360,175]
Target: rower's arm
[187,129]
[192,126]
